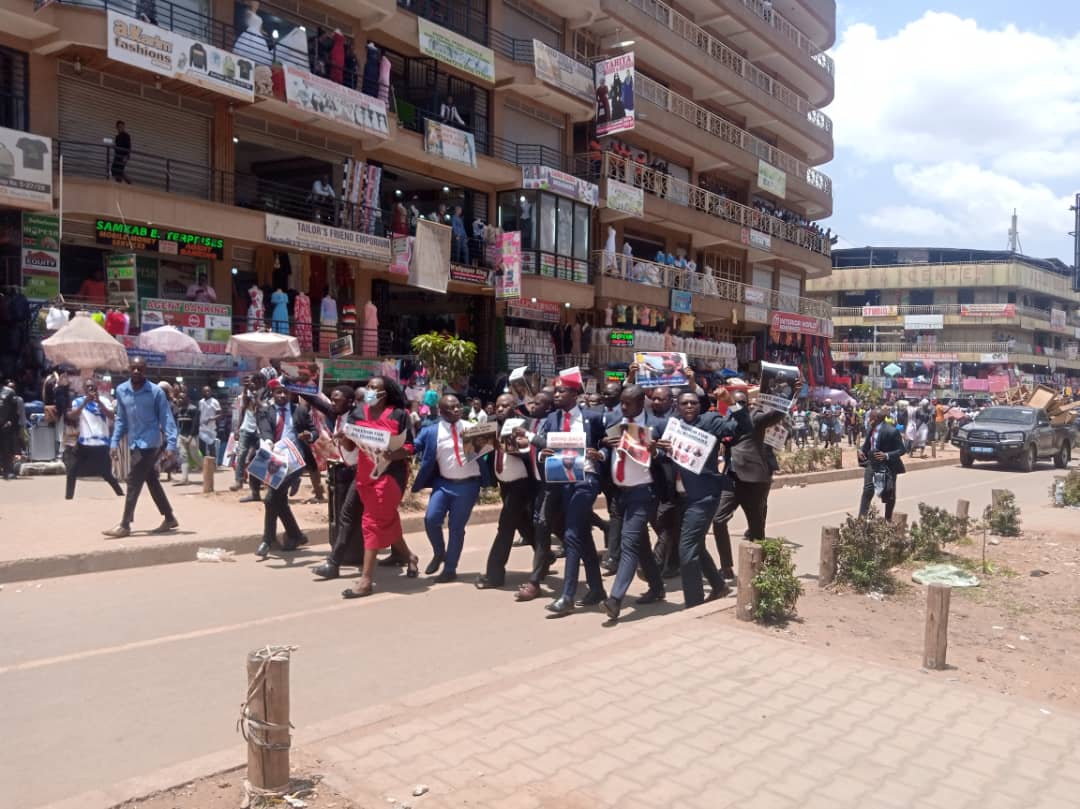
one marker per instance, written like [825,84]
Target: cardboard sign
[690,446]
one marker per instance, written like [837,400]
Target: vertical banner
[615,95]
[509,285]
[430,266]
[370,216]
[401,251]
[120,284]
[771,179]
[40,256]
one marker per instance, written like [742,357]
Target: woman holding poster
[381,476]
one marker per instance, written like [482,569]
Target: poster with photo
[614,95]
[305,376]
[272,466]
[634,443]
[776,436]
[524,383]
[661,368]
[479,440]
[779,386]
[690,446]
[567,463]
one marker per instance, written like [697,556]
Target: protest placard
[479,440]
[690,446]
[272,466]
[567,463]
[660,368]
[523,383]
[779,385]
[304,376]
[776,436]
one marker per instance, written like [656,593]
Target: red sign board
[800,324]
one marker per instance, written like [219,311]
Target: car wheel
[1061,460]
[1030,460]
[966,458]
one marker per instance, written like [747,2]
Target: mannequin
[280,314]
[251,44]
[337,59]
[384,79]
[371,330]
[609,312]
[256,313]
[328,318]
[401,220]
[609,250]
[372,66]
[302,312]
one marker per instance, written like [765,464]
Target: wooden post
[750,560]
[937,626]
[266,717]
[933,449]
[209,467]
[996,496]
[899,519]
[962,507]
[830,538]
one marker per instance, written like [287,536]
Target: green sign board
[120,282]
[40,256]
[161,240]
[350,370]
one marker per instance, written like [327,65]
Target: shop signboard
[530,309]
[626,198]
[756,239]
[468,275]
[923,322]
[755,295]
[509,252]
[614,88]
[755,314]
[170,54]
[449,143]
[1057,319]
[987,310]
[326,239]
[999,358]
[146,238]
[929,356]
[335,102]
[771,180]
[204,322]
[349,370]
[879,311]
[26,179]
[621,338]
[401,254]
[120,283]
[682,302]
[455,50]
[40,256]
[800,324]
[561,183]
[560,70]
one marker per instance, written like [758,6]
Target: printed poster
[375,444]
[779,386]
[776,437]
[634,443]
[558,182]
[690,446]
[274,466]
[401,248]
[335,102]
[523,383]
[661,368]
[771,179]
[614,95]
[449,143]
[26,170]
[305,376]
[430,265]
[555,68]
[626,198]
[509,252]
[120,284]
[455,50]
[40,255]
[479,440]
[567,463]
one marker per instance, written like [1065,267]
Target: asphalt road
[113,675]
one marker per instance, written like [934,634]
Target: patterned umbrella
[264,344]
[169,340]
[87,346]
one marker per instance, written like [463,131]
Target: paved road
[112,675]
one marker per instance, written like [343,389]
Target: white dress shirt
[451,453]
[509,468]
[633,473]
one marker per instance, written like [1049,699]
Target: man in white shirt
[209,413]
[455,486]
[477,414]
[448,113]
[322,194]
[93,412]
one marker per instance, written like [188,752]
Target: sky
[948,115]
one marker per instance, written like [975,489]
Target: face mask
[371,396]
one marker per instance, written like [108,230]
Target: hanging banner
[335,102]
[988,310]
[756,239]
[204,322]
[26,170]
[449,143]
[626,198]
[401,254]
[455,50]
[120,285]
[561,183]
[1057,319]
[430,266]
[614,95]
[559,70]
[879,311]
[682,302]
[40,256]
[800,324]
[326,239]
[170,54]
[509,251]
[771,180]
[924,322]
[526,309]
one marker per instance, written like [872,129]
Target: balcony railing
[921,348]
[692,196]
[650,273]
[953,309]
[645,89]
[731,60]
[797,37]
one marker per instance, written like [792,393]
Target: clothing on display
[302,312]
[56,318]
[256,312]
[370,342]
[280,314]
[372,66]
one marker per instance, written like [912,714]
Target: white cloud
[971,122]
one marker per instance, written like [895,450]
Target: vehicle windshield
[1007,415]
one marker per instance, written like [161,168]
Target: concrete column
[43,101]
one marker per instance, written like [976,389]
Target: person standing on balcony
[448,113]
[460,245]
[121,153]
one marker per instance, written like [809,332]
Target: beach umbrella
[87,346]
[264,344]
[892,369]
[168,340]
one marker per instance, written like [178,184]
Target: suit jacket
[426,446]
[748,456]
[661,469]
[891,442]
[726,429]
[266,420]
[592,421]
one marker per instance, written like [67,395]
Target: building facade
[954,321]
[282,146]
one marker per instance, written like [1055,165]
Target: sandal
[413,568]
[361,593]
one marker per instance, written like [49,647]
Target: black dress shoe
[718,593]
[611,607]
[651,597]
[327,570]
[592,598]
[560,606]
[728,574]
[485,583]
[609,568]
[167,525]
[434,565]
[293,544]
[263,550]
[445,577]
[248,499]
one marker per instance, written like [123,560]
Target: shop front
[802,341]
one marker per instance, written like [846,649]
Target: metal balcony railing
[801,41]
[645,89]
[953,309]
[731,60]
[651,273]
[921,348]
[692,196]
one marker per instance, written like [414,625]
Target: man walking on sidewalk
[144,417]
[880,456]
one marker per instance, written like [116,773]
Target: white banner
[690,446]
[559,70]
[614,94]
[924,322]
[449,143]
[455,50]
[326,239]
[26,177]
[771,179]
[561,183]
[625,198]
[168,53]
[756,239]
[430,267]
[994,359]
[327,99]
[879,311]
[755,314]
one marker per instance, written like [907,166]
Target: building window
[965,296]
[14,112]
[562,248]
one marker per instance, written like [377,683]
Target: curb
[854,473]
[167,553]
[407,707]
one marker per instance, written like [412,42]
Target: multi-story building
[973,321]
[281,145]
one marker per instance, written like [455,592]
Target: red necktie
[457,446]
[620,461]
[566,422]
[280,428]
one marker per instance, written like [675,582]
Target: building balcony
[711,218]
[957,314]
[680,47]
[992,353]
[717,144]
[817,18]
[771,40]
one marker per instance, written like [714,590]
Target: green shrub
[935,529]
[1004,520]
[868,547]
[777,587]
[810,459]
[1070,490]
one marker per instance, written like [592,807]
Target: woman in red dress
[385,409]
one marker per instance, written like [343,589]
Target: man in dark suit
[547,514]
[282,420]
[750,465]
[881,452]
[576,499]
[635,499]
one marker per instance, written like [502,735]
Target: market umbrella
[168,340]
[892,369]
[264,344]
[86,345]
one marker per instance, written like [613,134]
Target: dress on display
[256,313]
[303,321]
[327,322]
[371,330]
[337,58]
[280,313]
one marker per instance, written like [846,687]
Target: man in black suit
[880,454]
[547,516]
[290,423]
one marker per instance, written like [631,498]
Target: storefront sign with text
[325,239]
[145,238]
[561,183]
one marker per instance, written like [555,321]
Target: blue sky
[949,115]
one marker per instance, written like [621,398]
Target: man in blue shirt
[144,417]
